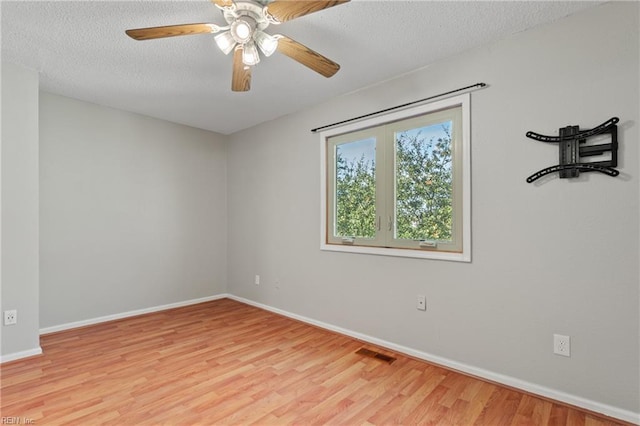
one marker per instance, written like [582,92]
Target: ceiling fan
[245,36]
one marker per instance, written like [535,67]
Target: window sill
[380,251]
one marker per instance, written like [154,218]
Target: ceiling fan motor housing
[246,11]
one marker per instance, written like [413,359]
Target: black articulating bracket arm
[571,143]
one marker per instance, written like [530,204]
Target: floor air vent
[376,355]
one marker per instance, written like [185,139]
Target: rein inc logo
[8,420]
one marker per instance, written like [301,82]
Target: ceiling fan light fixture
[250,54]
[225,42]
[267,43]
[242,29]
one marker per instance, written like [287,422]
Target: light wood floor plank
[223,362]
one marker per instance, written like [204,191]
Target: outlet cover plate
[421,303]
[561,345]
[10,317]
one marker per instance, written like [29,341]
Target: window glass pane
[355,214]
[423,183]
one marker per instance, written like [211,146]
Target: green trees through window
[424,184]
[355,194]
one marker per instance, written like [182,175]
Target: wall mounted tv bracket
[572,145]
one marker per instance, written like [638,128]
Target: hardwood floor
[224,362]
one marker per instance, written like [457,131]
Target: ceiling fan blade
[286,10]
[223,3]
[241,76]
[172,31]
[307,57]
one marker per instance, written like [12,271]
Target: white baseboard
[587,404]
[19,355]
[106,318]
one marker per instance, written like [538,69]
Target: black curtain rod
[479,85]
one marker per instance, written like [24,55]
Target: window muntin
[420,163]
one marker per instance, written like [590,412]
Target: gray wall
[560,256]
[132,212]
[19,227]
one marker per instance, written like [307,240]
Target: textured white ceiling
[81,51]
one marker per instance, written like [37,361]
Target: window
[400,184]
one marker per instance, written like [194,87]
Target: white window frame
[463,101]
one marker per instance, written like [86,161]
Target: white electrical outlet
[10,317]
[561,345]
[422,303]
[256,280]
